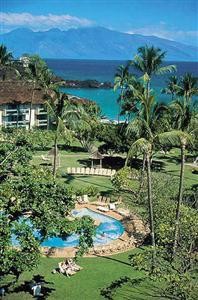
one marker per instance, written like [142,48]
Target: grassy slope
[169,164]
[97,273]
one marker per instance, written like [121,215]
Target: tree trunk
[32,99]
[176,234]
[142,174]
[55,155]
[17,122]
[150,203]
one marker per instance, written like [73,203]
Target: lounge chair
[103,209]
[96,172]
[91,171]
[108,200]
[82,171]
[123,212]
[85,199]
[113,172]
[78,170]
[79,199]
[108,173]
[87,171]
[73,170]
[99,198]
[68,170]
[45,158]
[112,206]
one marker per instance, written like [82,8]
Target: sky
[171,19]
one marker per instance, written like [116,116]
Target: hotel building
[15,105]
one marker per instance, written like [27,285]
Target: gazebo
[95,156]
[51,155]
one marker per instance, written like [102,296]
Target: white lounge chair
[112,206]
[91,171]
[87,171]
[78,170]
[79,199]
[113,172]
[45,158]
[73,170]
[82,171]
[85,199]
[97,171]
[100,172]
[123,212]
[68,170]
[103,209]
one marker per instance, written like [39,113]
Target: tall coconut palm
[184,111]
[64,114]
[5,56]
[183,114]
[38,74]
[182,139]
[120,82]
[172,87]
[145,127]
[149,62]
[143,146]
[188,86]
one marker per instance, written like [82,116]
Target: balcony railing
[15,112]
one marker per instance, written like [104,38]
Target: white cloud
[9,21]
[161,31]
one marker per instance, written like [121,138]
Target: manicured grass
[169,164]
[97,273]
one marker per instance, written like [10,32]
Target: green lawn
[97,273]
[169,164]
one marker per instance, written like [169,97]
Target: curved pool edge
[122,244]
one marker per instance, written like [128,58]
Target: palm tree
[120,82]
[64,114]
[184,111]
[38,74]
[182,139]
[172,87]
[188,86]
[5,56]
[149,61]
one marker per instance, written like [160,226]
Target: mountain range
[90,43]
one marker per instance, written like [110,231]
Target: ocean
[104,70]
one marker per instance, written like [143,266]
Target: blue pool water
[109,229]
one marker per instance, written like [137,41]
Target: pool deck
[124,243]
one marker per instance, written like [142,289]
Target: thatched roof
[96,155]
[20,92]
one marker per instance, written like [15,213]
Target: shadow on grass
[133,288]
[71,148]
[113,259]
[26,286]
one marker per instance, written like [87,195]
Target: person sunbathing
[73,266]
[64,268]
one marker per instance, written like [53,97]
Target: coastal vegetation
[150,152]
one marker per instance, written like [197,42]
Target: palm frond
[174,138]
[166,69]
[141,146]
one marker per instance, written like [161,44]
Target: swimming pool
[109,229]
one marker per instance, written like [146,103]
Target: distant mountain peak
[91,43]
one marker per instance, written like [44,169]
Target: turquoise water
[109,229]
[104,70]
